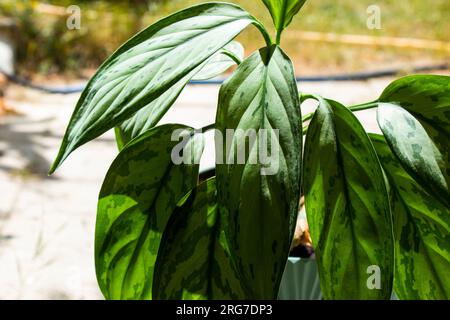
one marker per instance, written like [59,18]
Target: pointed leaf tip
[147,66]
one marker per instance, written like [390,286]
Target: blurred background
[45,47]
[47,223]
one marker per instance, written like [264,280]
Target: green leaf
[148,65]
[347,206]
[150,115]
[422,233]
[427,97]
[421,148]
[138,196]
[193,260]
[221,61]
[415,119]
[282,11]
[258,196]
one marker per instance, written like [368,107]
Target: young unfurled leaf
[138,196]
[347,207]
[282,11]
[422,233]
[259,183]
[148,65]
[193,260]
[415,119]
[149,116]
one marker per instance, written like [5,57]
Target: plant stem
[305,130]
[279,37]
[303,97]
[264,32]
[280,25]
[364,106]
[308,117]
[354,108]
[306,96]
[232,56]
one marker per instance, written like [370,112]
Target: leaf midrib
[66,146]
[346,195]
[425,246]
[282,20]
[145,229]
[340,165]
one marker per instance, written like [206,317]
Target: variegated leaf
[149,64]
[347,207]
[221,61]
[138,196]
[422,233]
[149,116]
[415,119]
[259,196]
[194,260]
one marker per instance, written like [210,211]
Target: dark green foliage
[378,206]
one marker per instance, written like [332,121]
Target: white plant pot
[300,280]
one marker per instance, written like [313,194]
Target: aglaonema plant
[377,205]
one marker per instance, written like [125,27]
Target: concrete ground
[47,223]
